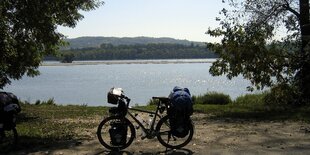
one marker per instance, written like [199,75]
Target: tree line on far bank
[138,51]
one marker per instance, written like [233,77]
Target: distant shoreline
[112,62]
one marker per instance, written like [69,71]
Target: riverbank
[111,62]
[219,129]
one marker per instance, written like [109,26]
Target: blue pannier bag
[179,112]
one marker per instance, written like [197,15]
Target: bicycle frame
[145,130]
[149,132]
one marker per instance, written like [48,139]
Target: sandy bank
[111,62]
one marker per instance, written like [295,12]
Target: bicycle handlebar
[126,98]
[162,99]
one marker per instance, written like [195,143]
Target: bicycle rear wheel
[165,137]
[104,132]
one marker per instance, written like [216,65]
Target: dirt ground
[212,137]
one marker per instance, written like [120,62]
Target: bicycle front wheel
[116,133]
[165,137]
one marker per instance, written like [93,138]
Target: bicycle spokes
[166,138]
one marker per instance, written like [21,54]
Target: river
[88,83]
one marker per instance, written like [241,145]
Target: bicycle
[116,132]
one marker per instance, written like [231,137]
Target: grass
[43,125]
[252,107]
[212,98]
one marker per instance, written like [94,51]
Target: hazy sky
[180,19]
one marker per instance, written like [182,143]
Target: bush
[250,99]
[153,102]
[50,101]
[282,94]
[212,98]
[38,102]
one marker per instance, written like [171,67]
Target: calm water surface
[89,84]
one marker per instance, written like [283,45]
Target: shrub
[212,98]
[38,102]
[50,101]
[250,99]
[153,102]
[282,94]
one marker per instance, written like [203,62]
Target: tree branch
[287,7]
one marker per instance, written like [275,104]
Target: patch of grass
[50,101]
[53,111]
[252,107]
[45,124]
[214,98]
[250,100]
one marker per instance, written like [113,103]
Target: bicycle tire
[104,137]
[163,132]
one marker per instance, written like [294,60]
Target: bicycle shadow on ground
[178,152]
[166,152]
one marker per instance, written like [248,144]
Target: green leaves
[248,47]
[28,32]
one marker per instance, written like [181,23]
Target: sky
[179,19]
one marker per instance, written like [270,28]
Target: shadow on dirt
[166,152]
[28,145]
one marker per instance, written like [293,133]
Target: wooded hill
[148,51]
[112,48]
[86,42]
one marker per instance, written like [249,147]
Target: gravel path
[212,137]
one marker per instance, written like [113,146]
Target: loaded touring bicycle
[117,132]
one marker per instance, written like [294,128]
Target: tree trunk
[304,79]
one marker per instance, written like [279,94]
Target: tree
[250,45]
[28,32]
[67,58]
